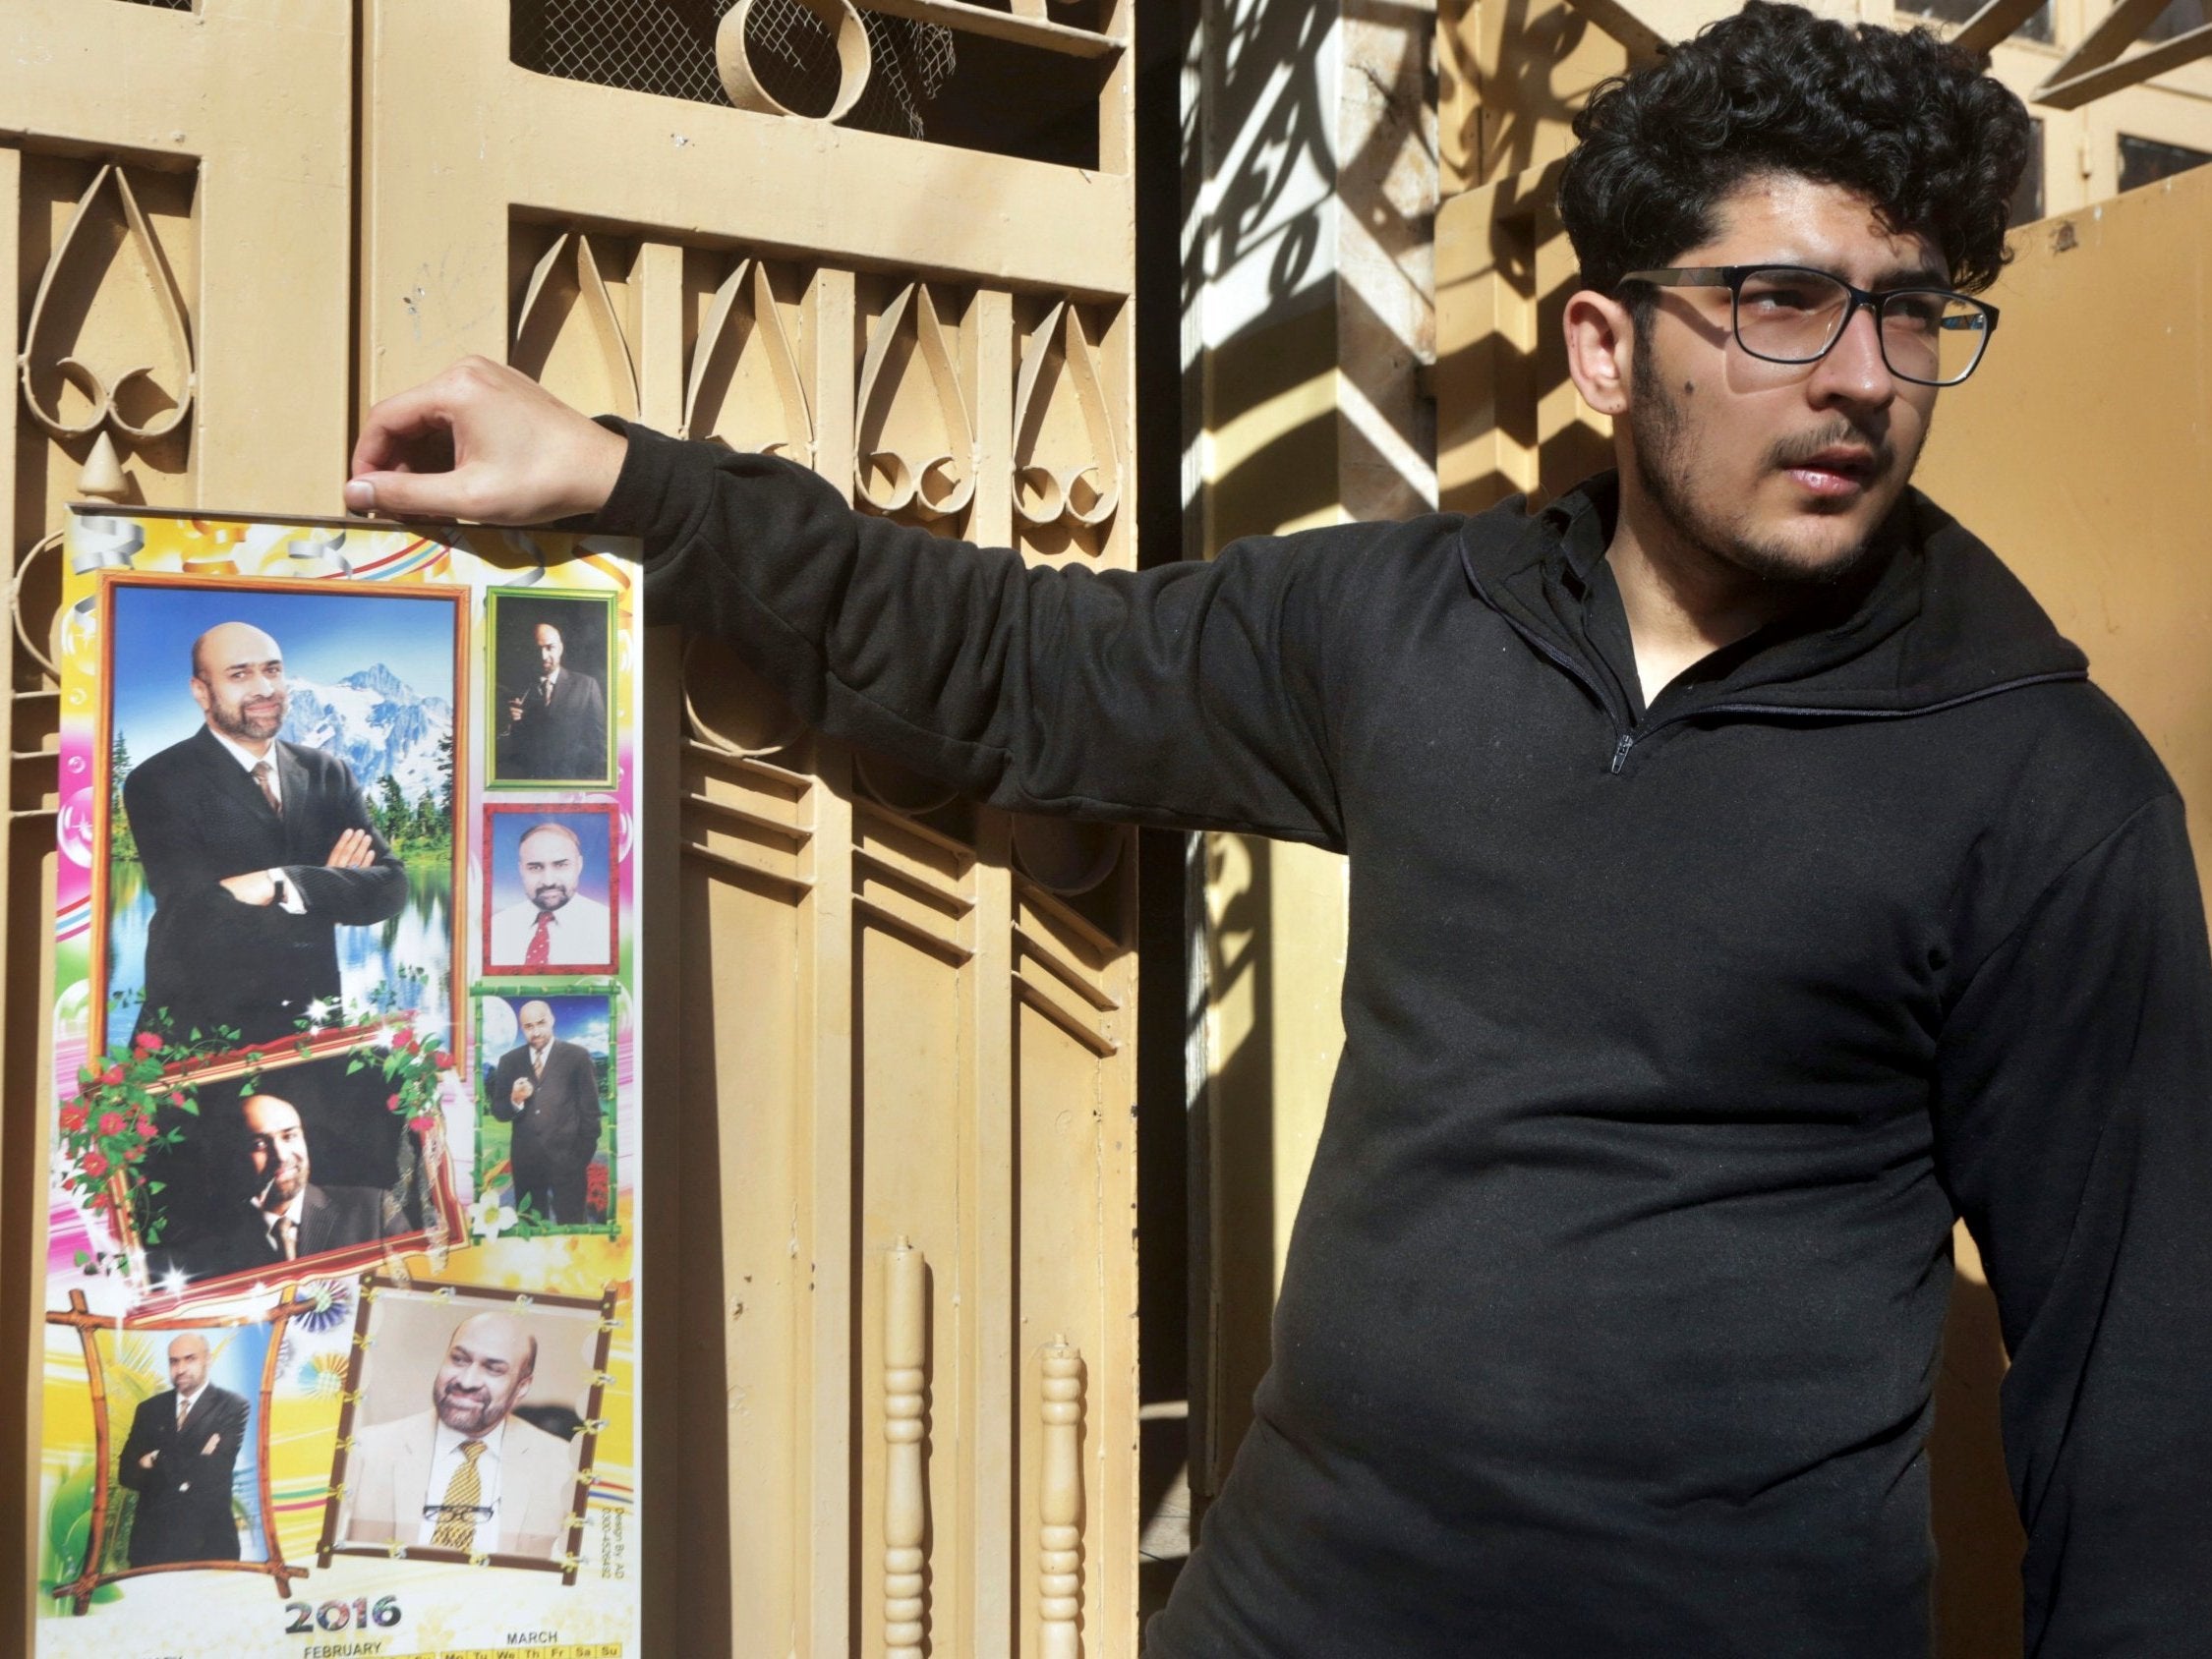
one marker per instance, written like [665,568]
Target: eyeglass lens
[1792,315]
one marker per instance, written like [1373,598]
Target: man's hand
[252,888]
[352,851]
[521,1092]
[146,1461]
[482,442]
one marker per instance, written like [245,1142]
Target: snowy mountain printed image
[377,724]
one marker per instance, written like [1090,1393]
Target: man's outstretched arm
[1193,694]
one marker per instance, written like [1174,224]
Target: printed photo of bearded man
[255,850]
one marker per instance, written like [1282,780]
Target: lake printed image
[280,809]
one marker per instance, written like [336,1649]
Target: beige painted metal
[173,202]
[891,1106]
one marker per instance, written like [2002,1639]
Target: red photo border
[557,808]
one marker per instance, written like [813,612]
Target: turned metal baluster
[1060,1504]
[905,1503]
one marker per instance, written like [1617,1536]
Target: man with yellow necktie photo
[470,1473]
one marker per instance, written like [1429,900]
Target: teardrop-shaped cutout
[568,334]
[1067,457]
[109,342]
[731,707]
[916,441]
[745,388]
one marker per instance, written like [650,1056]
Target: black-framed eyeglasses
[1791,314]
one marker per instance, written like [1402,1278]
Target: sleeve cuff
[647,500]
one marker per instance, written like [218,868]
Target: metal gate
[889,1284]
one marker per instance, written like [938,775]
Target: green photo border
[522,991]
[492,724]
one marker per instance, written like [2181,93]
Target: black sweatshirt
[1674,1040]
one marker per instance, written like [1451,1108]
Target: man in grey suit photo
[178,1458]
[548,1089]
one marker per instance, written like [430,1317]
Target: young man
[1745,881]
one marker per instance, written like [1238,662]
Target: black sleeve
[499,1103]
[2074,1133]
[354,898]
[180,872]
[583,1078]
[229,1428]
[137,1444]
[1193,695]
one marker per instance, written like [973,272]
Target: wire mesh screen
[668,46]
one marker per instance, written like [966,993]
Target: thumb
[438,496]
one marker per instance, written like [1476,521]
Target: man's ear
[1601,349]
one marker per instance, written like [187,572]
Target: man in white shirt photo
[466,1474]
[554,927]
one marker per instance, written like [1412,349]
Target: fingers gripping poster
[340,1338]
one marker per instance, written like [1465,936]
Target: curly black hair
[1909,121]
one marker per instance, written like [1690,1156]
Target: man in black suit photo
[549,1090]
[183,1446]
[285,1217]
[256,851]
[556,726]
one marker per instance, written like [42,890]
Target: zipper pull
[1621,753]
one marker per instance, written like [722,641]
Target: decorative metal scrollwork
[745,325]
[566,287]
[890,478]
[112,398]
[1085,492]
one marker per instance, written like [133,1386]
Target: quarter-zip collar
[1932,618]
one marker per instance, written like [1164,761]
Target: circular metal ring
[731,707]
[733,59]
[1063,856]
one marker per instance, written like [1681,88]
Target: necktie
[261,771]
[541,943]
[544,691]
[287,1237]
[184,1411]
[456,1524]
[536,1063]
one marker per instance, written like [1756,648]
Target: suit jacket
[198,818]
[387,1483]
[334,1218]
[558,1129]
[561,736]
[184,1500]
